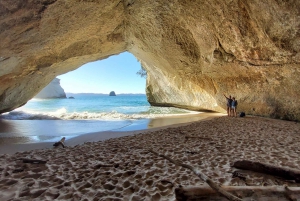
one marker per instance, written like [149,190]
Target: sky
[116,73]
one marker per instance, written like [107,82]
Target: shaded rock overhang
[193,51]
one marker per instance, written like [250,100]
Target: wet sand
[123,169]
[10,145]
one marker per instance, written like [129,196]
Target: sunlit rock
[193,51]
[52,90]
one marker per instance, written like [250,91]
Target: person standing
[234,104]
[229,104]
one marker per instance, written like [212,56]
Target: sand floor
[123,168]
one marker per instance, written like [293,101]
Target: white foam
[62,113]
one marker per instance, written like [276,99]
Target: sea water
[43,120]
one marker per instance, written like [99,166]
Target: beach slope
[123,168]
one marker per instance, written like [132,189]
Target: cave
[194,52]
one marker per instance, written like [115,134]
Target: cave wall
[193,51]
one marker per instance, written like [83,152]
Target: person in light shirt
[234,104]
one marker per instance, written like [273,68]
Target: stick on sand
[202,176]
[284,172]
[61,142]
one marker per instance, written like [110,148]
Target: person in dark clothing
[234,104]
[229,102]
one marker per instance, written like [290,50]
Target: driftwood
[202,176]
[35,161]
[61,142]
[256,193]
[284,172]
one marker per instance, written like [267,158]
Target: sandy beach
[13,144]
[122,168]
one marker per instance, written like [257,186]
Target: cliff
[193,51]
[52,90]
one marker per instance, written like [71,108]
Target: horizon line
[99,93]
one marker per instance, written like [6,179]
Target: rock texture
[52,90]
[193,51]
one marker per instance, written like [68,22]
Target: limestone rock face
[193,51]
[52,90]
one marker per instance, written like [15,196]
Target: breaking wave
[63,114]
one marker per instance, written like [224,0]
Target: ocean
[47,120]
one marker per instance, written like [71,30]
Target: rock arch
[193,51]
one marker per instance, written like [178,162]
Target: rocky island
[112,93]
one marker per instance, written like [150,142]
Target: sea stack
[52,90]
[112,93]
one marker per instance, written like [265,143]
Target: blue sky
[116,73]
